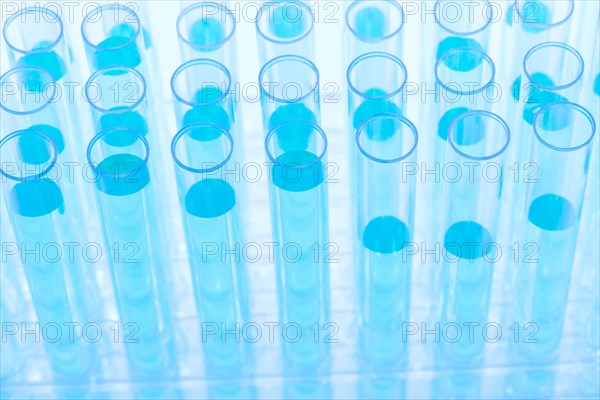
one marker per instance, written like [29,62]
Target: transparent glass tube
[40,216]
[298,202]
[561,151]
[212,222]
[34,37]
[285,27]
[126,193]
[112,34]
[207,30]
[385,149]
[289,88]
[373,26]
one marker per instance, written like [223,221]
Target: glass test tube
[289,88]
[34,37]
[212,222]
[373,26]
[126,193]
[41,215]
[564,133]
[385,149]
[285,27]
[112,34]
[478,140]
[298,202]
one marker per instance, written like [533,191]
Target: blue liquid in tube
[118,49]
[288,21]
[207,33]
[49,60]
[370,22]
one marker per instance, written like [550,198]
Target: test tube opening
[465,71]
[33,30]
[463,19]
[478,135]
[202,147]
[214,78]
[541,56]
[387,138]
[289,79]
[27,155]
[551,130]
[374,21]
[284,22]
[206,26]
[115,89]
[27,90]
[538,15]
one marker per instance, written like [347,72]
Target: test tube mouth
[195,63]
[569,52]
[586,139]
[383,56]
[44,77]
[311,125]
[305,11]
[288,58]
[525,19]
[18,135]
[364,38]
[39,11]
[185,13]
[473,51]
[94,16]
[112,131]
[493,149]
[487,19]
[362,129]
[115,70]
[187,130]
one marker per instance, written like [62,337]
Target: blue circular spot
[35,198]
[122,175]
[115,51]
[295,136]
[467,240]
[210,198]
[534,13]
[48,60]
[297,171]
[386,235]
[207,32]
[553,120]
[461,61]
[287,21]
[371,107]
[211,113]
[552,212]
[370,22]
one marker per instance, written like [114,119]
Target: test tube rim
[400,118]
[489,114]
[476,31]
[96,10]
[184,130]
[47,138]
[316,127]
[571,105]
[374,54]
[195,62]
[294,40]
[113,67]
[546,26]
[482,53]
[563,46]
[379,39]
[36,9]
[39,70]
[105,132]
[278,59]
[194,6]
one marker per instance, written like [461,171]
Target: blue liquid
[127,30]
[207,32]
[538,77]
[50,61]
[371,107]
[210,198]
[210,109]
[288,21]
[370,23]
[36,198]
[122,175]
[296,136]
[537,98]
[386,235]
[468,132]
[551,212]
[462,62]
[128,119]
[597,85]
[290,174]
[115,50]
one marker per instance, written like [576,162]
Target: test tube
[285,27]
[298,203]
[35,37]
[373,26]
[564,133]
[289,88]
[206,30]
[112,34]
[385,149]
[126,194]
[478,140]
[40,215]
[211,217]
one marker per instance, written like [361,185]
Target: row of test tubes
[143,191]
